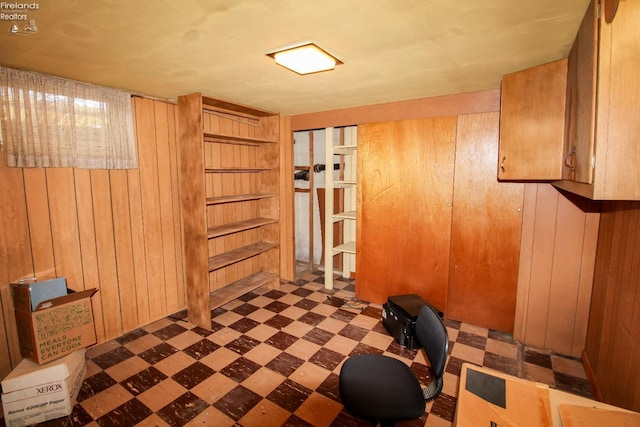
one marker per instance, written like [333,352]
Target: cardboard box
[56,327]
[34,393]
[487,397]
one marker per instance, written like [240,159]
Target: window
[47,121]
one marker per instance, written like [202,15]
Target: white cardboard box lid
[66,389]
[30,374]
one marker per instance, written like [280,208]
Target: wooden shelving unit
[347,149]
[229,166]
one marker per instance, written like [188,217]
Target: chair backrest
[433,337]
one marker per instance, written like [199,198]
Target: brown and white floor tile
[273,358]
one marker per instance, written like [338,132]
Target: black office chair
[385,390]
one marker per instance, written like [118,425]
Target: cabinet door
[618,114]
[532,123]
[405,181]
[485,232]
[581,101]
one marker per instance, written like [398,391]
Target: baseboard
[588,370]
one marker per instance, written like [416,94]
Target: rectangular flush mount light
[305,59]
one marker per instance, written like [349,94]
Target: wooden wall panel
[106,253]
[404,215]
[485,231]
[35,183]
[117,231]
[147,152]
[15,257]
[89,262]
[165,135]
[613,348]
[541,265]
[141,276]
[585,286]
[64,226]
[565,268]
[559,240]
[123,250]
[171,216]
[526,255]
[176,294]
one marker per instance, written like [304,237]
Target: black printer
[399,315]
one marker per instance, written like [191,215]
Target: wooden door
[485,232]
[405,182]
[532,123]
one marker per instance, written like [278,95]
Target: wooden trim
[234,107]
[588,370]
[287,228]
[526,255]
[447,105]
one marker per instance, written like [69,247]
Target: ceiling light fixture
[305,59]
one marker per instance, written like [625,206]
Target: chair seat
[377,387]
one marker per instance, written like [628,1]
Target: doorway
[314,155]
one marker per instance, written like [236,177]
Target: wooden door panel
[532,123]
[485,233]
[405,179]
[581,101]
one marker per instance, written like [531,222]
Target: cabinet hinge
[598,10]
[593,162]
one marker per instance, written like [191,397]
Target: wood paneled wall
[546,220]
[433,219]
[118,231]
[485,229]
[613,337]
[558,247]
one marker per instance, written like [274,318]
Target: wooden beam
[447,105]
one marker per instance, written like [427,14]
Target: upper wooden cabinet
[532,123]
[603,106]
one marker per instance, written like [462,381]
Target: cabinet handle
[502,164]
[570,160]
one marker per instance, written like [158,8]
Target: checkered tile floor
[273,359]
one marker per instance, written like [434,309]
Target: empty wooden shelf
[229,188]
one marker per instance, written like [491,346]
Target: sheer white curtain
[48,121]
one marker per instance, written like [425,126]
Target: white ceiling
[392,50]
